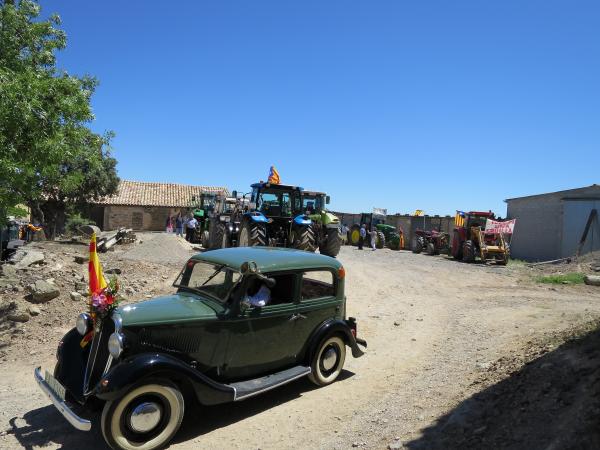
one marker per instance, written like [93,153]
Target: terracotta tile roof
[140,193]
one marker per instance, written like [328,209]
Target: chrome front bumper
[72,418]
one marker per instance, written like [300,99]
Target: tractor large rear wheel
[332,243]
[417,244]
[218,233]
[303,238]
[253,234]
[354,234]
[468,251]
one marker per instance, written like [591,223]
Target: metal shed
[551,226]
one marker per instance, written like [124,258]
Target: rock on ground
[28,258]
[592,280]
[42,292]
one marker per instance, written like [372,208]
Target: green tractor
[387,235]
[325,225]
[205,205]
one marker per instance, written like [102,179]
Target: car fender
[131,370]
[256,217]
[302,220]
[335,326]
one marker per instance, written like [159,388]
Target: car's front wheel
[145,418]
[328,361]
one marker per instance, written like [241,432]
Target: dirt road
[433,326]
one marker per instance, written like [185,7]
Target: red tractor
[470,239]
[431,242]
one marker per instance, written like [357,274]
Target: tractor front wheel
[253,234]
[205,239]
[456,249]
[431,251]
[303,238]
[468,251]
[332,244]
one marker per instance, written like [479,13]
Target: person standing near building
[179,224]
[362,235]
[191,229]
[169,225]
[373,234]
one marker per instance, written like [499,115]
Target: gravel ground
[434,327]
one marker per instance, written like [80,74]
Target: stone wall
[150,218]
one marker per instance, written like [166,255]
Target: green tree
[48,155]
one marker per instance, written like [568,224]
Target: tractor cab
[276,200]
[314,202]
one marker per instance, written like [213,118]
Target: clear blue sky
[434,105]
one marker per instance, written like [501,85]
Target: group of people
[177,224]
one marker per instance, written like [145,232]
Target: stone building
[551,226]
[146,205]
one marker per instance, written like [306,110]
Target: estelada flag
[459,219]
[97,281]
[274,175]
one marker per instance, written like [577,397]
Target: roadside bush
[567,278]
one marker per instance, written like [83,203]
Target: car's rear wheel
[328,361]
[145,418]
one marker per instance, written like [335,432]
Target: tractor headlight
[83,324]
[115,345]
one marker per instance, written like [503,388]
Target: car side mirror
[249,268]
[327,200]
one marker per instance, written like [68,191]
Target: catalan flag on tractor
[459,219]
[274,176]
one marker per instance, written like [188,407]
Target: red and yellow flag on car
[274,176]
[97,281]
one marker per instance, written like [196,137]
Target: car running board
[250,388]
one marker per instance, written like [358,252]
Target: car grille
[99,360]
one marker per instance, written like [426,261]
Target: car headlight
[115,345]
[83,324]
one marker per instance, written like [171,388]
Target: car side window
[259,294]
[317,284]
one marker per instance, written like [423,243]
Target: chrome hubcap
[145,417]
[329,359]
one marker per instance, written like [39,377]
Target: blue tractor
[275,218]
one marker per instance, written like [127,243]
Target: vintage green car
[243,321]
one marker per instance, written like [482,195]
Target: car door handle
[294,317]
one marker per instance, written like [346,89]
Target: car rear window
[317,284]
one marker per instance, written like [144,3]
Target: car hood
[168,309]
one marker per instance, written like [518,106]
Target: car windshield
[213,280]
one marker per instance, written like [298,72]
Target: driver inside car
[258,294]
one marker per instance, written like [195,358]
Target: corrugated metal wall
[575,217]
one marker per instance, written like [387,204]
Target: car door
[259,341]
[318,302]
